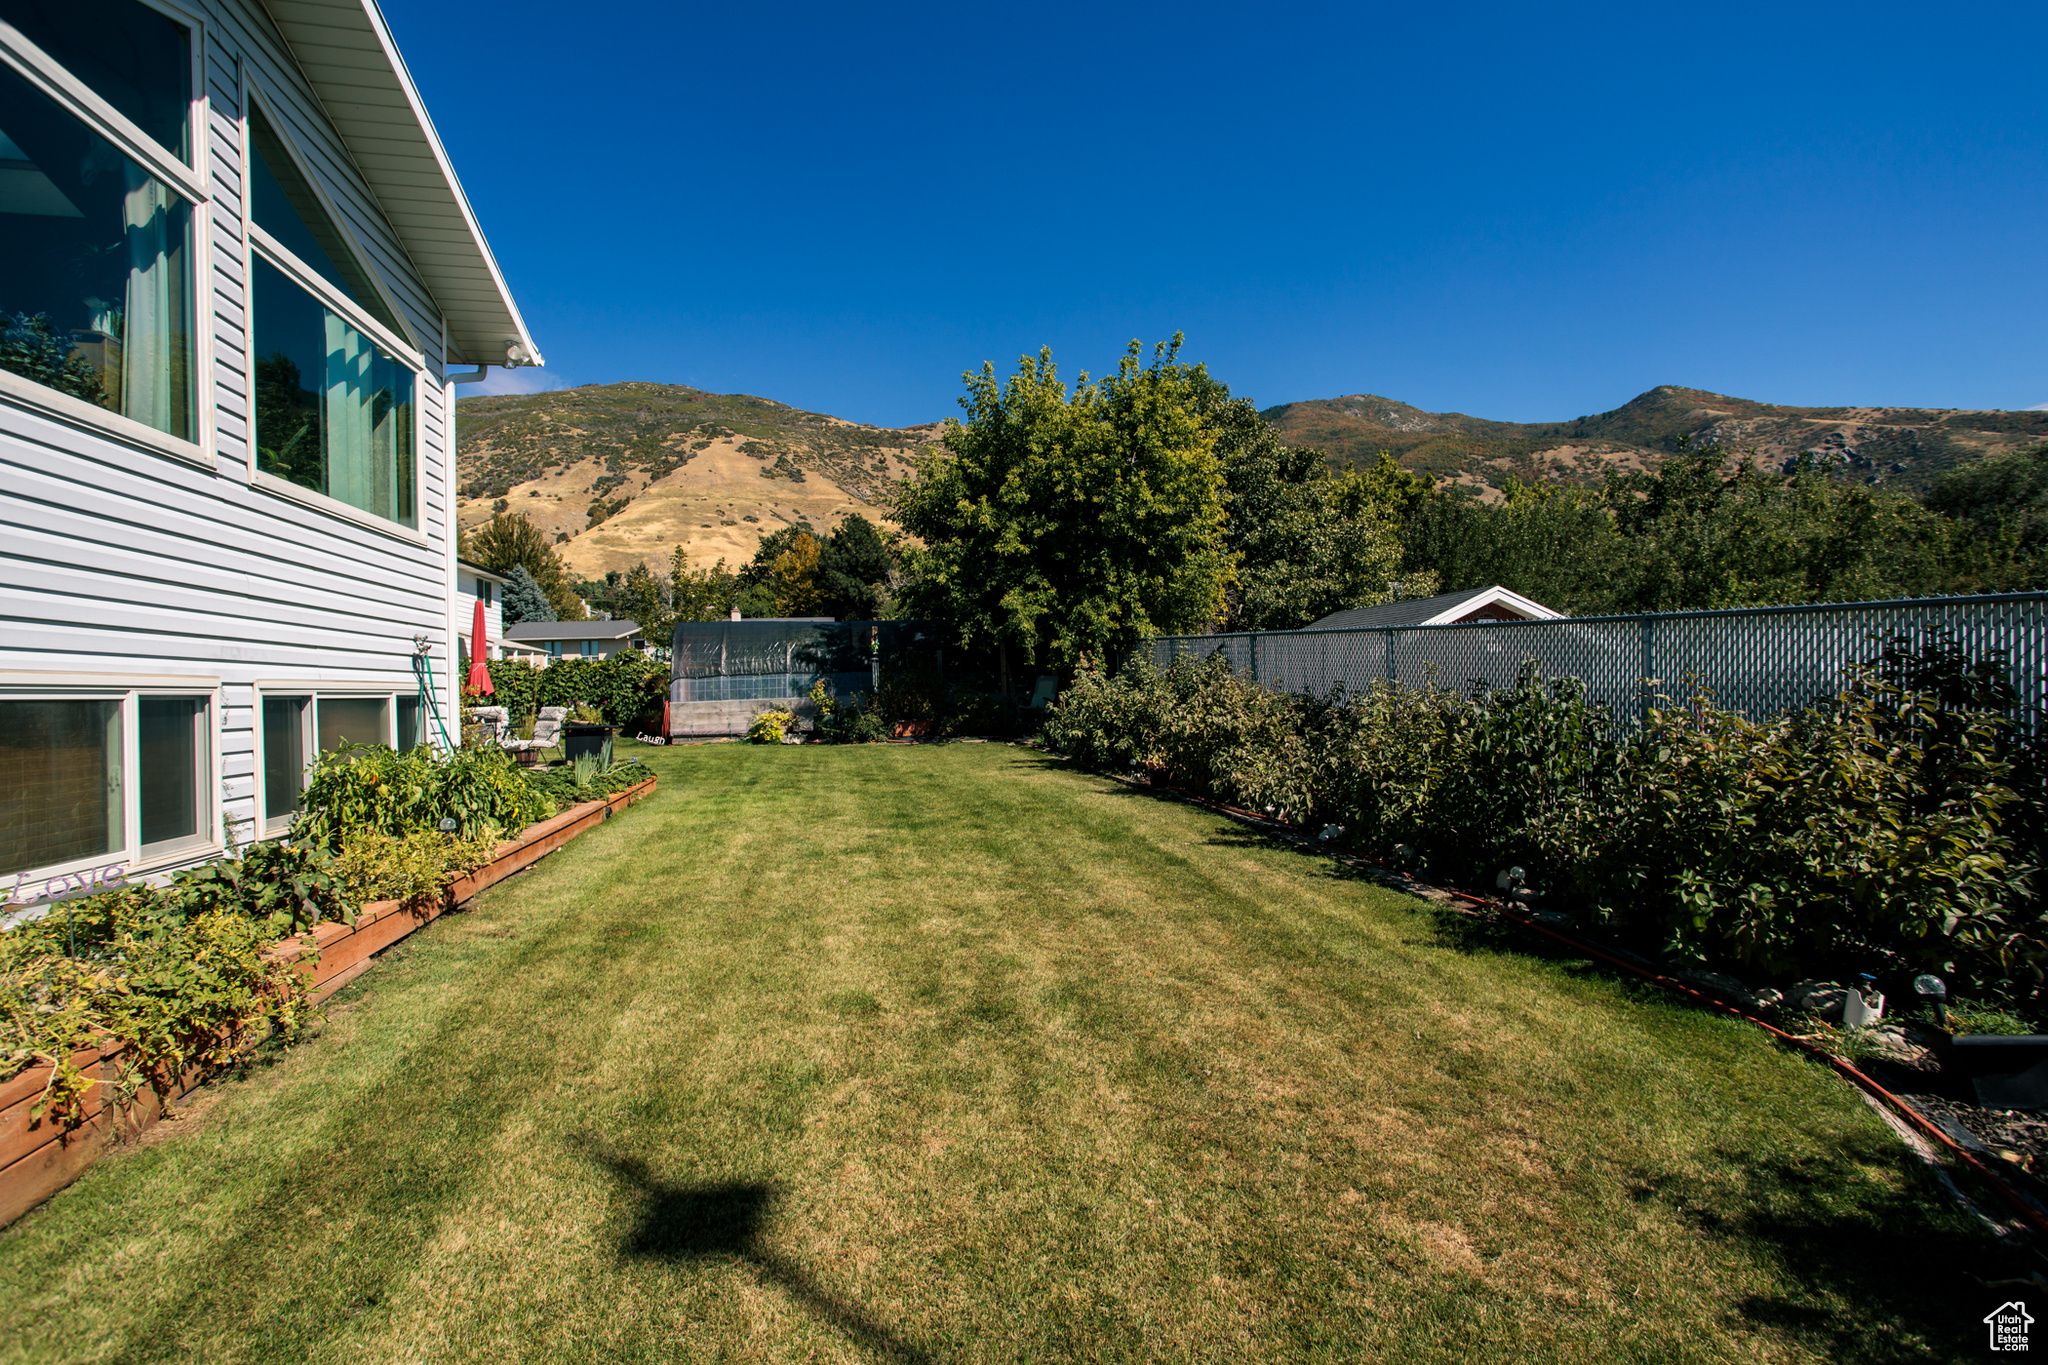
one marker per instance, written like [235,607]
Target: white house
[474,584]
[236,269]
[1471,604]
[576,639]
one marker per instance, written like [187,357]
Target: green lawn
[947,1053]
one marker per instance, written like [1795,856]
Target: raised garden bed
[39,1158]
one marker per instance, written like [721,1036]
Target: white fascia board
[319,33]
[1513,601]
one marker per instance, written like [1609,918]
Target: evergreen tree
[524,600]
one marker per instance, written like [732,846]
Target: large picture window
[334,411]
[122,777]
[334,405]
[95,266]
[136,58]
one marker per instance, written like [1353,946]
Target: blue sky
[1525,212]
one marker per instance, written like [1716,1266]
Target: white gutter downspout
[455,622]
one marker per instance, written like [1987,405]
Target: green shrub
[371,787]
[1895,825]
[769,727]
[180,990]
[414,867]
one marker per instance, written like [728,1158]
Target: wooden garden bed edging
[37,1159]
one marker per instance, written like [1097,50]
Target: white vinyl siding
[120,562]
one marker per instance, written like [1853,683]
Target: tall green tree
[524,600]
[508,539]
[700,594]
[1693,536]
[854,570]
[1549,543]
[1065,527]
[1304,544]
[644,599]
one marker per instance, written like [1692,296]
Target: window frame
[309,730]
[130,858]
[258,244]
[185,179]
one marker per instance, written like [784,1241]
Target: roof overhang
[348,55]
[1495,596]
[479,571]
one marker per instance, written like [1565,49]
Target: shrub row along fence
[1895,824]
[1759,662]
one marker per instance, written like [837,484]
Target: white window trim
[49,75]
[260,243]
[126,861]
[309,730]
[402,344]
[44,72]
[105,421]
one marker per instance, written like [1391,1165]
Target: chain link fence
[1760,660]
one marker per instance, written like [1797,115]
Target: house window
[95,250]
[60,782]
[122,777]
[589,648]
[554,649]
[136,58]
[335,407]
[354,720]
[299,726]
[174,772]
[483,591]
[284,756]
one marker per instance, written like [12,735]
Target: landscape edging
[39,1158]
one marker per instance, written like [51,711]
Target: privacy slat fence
[1760,660]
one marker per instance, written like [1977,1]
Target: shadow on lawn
[1865,1273]
[727,1221]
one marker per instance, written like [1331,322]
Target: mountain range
[621,473]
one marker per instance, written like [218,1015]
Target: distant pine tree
[524,600]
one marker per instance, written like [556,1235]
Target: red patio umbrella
[479,675]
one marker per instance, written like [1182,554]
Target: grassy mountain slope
[620,473]
[1905,447]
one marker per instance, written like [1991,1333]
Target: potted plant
[586,733]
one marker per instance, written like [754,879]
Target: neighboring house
[577,639]
[1473,604]
[236,269]
[474,584]
[524,652]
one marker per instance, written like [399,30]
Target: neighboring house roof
[572,630]
[479,571]
[1440,610]
[347,53]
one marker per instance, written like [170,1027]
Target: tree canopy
[1071,526]
[509,539]
[524,600]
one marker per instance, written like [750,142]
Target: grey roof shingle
[572,630]
[1410,613]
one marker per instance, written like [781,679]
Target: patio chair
[547,732]
[495,720]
